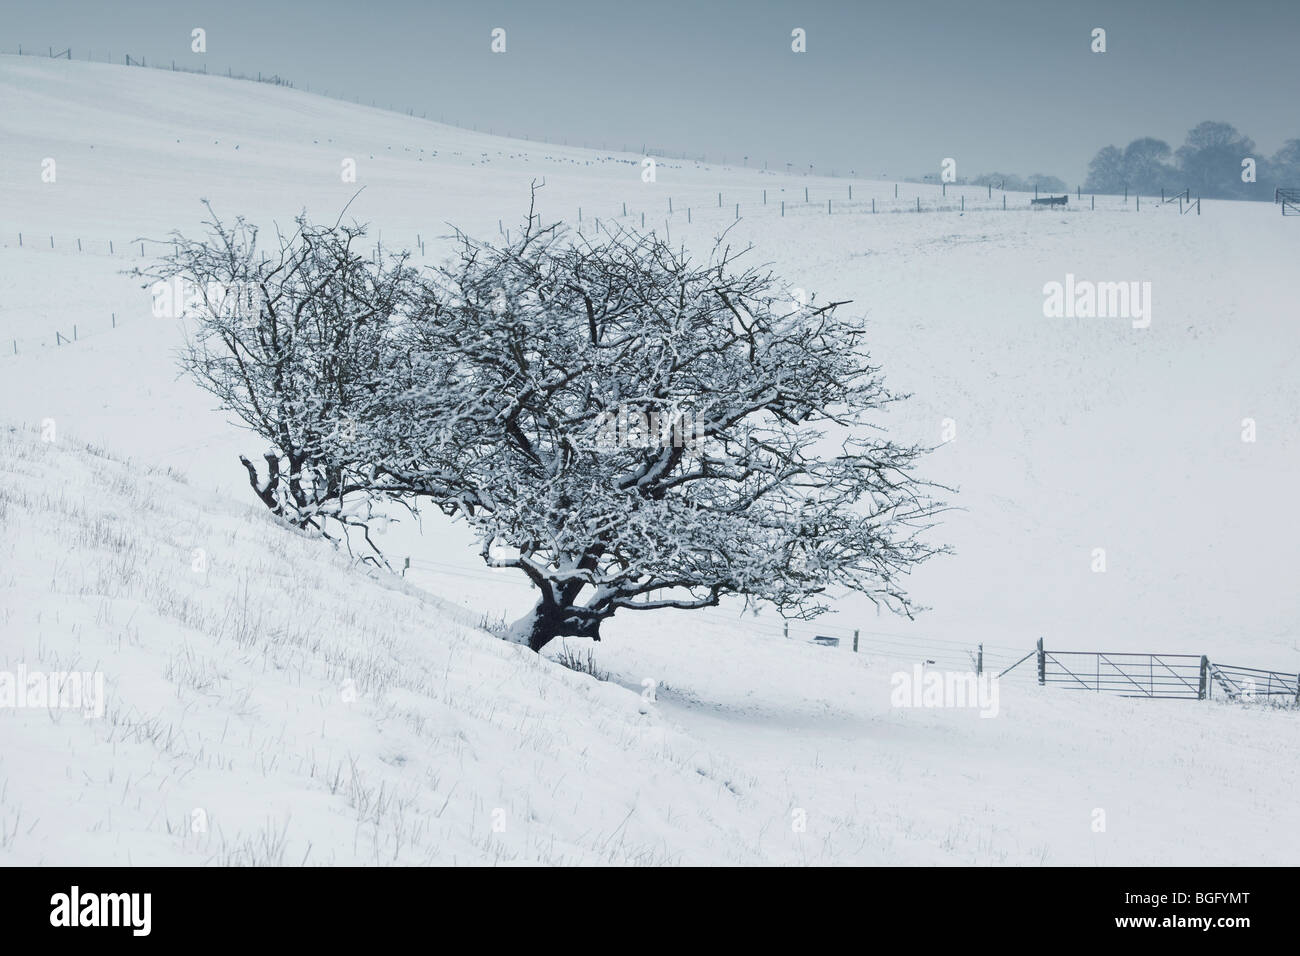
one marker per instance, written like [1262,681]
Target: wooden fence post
[787,630]
[979,661]
[1205,675]
[855,630]
[1042,663]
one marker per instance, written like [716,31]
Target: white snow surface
[317,713]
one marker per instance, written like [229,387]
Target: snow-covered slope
[225,688]
[296,709]
[1071,434]
[263,702]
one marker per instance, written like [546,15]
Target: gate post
[1042,663]
[1205,676]
[979,661]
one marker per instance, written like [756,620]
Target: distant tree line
[1211,163]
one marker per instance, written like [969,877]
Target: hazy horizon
[878,92]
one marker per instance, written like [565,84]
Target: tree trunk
[549,620]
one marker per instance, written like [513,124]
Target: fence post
[787,629]
[805,194]
[1205,675]
[979,661]
[855,630]
[1042,663]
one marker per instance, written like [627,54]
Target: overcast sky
[883,88]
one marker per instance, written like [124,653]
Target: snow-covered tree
[635,430]
[291,340]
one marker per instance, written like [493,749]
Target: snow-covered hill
[264,702]
[225,688]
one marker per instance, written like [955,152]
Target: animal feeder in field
[825,641]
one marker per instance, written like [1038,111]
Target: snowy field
[335,717]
